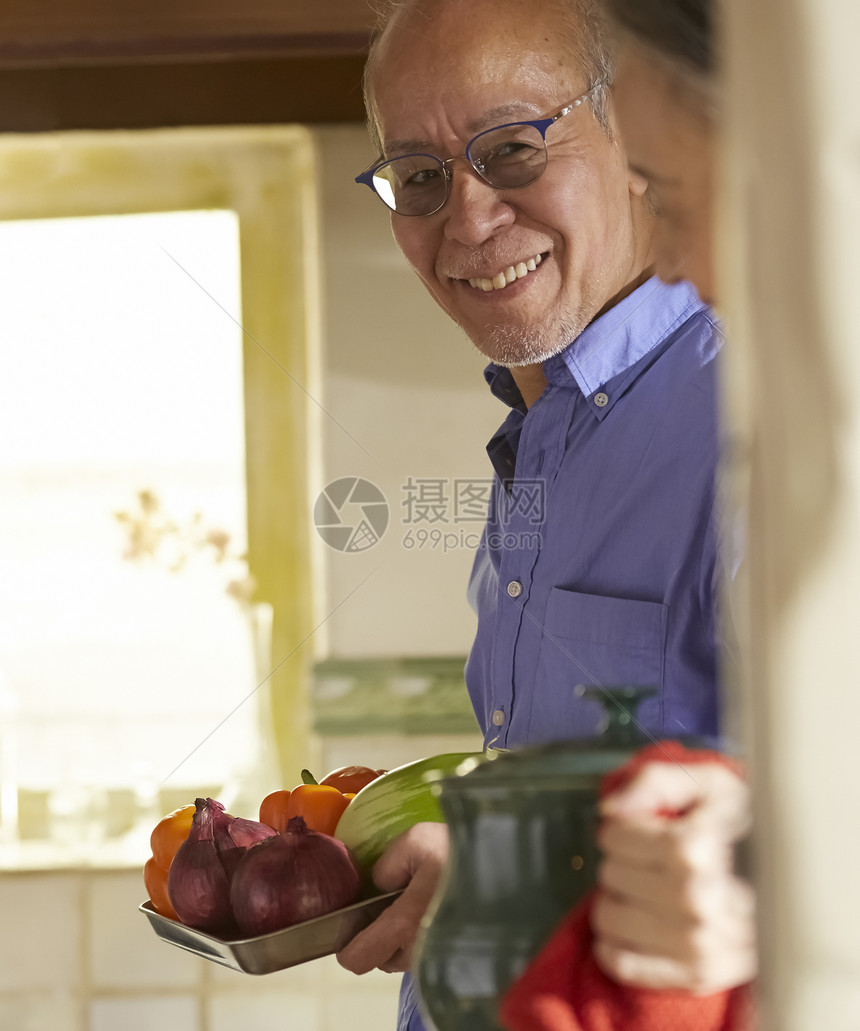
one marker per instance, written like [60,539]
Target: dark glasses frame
[541,124]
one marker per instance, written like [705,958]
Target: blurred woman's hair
[680,30]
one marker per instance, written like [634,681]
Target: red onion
[234,835]
[293,876]
[198,883]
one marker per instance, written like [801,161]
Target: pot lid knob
[620,705]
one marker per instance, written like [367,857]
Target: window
[163,353]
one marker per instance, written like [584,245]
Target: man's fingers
[399,963]
[413,862]
[392,932]
[422,850]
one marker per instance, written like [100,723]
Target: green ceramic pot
[523,852]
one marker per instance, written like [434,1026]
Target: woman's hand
[671,912]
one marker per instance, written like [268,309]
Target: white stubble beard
[513,346]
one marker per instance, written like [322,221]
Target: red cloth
[563,988]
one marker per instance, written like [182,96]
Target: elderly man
[512,200]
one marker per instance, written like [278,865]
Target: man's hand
[671,912]
[413,862]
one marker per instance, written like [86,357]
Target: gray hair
[583,36]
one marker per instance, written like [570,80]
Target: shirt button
[498,717]
[515,588]
[601,399]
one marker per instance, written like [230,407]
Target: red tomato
[351,778]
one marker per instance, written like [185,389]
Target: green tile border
[409,695]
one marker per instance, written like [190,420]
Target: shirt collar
[612,343]
[503,386]
[620,337]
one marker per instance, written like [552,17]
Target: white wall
[405,396]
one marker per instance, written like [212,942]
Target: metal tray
[280,949]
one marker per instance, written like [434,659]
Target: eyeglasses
[507,157]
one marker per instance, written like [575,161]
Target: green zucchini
[391,804]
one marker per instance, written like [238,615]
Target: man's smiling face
[521,271]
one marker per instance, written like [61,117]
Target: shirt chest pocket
[597,641]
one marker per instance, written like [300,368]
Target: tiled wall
[76,955]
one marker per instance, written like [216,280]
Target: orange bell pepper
[170,832]
[273,809]
[155,881]
[166,837]
[320,805]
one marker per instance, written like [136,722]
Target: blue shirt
[598,561]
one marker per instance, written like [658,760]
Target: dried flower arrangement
[152,536]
